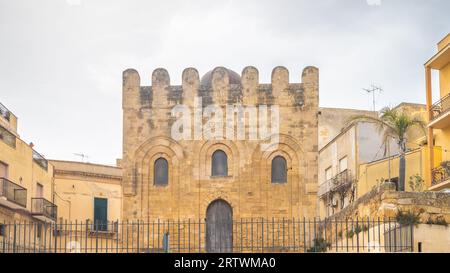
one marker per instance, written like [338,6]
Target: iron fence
[252,235]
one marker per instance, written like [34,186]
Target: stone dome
[233,76]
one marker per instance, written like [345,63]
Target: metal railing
[40,160]
[252,235]
[439,175]
[340,181]
[4,112]
[439,108]
[43,207]
[12,192]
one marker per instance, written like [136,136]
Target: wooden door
[219,227]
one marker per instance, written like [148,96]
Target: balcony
[440,178]
[40,160]
[4,112]
[340,183]
[440,113]
[43,209]
[12,195]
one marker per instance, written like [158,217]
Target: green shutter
[101,214]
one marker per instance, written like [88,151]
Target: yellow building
[373,174]
[439,117]
[85,191]
[353,161]
[35,189]
[26,177]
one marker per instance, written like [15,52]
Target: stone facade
[147,123]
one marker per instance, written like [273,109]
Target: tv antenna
[373,89]
[82,156]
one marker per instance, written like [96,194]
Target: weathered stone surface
[248,189]
[384,201]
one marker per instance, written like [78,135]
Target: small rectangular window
[343,164]
[2,230]
[39,191]
[328,173]
[3,170]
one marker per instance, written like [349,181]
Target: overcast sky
[61,61]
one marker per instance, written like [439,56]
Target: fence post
[166,242]
[357,234]
[86,236]
[199,235]
[4,235]
[189,235]
[242,240]
[412,238]
[304,235]
[262,235]
[179,241]
[315,236]
[346,234]
[138,237]
[14,238]
[117,235]
[55,236]
[293,231]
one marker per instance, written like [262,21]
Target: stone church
[220,177]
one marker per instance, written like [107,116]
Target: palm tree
[394,124]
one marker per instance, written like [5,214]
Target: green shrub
[320,245]
[440,221]
[408,218]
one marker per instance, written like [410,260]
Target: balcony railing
[4,112]
[13,192]
[441,107]
[40,160]
[440,175]
[340,182]
[43,207]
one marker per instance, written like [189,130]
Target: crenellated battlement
[251,122]
[220,86]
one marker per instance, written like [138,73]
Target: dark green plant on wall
[408,218]
[416,183]
[319,246]
[440,221]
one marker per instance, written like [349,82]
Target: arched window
[279,170]
[219,164]
[161,172]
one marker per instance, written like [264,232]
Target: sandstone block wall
[248,189]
